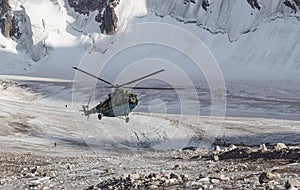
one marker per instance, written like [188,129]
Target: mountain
[250,39]
[233,17]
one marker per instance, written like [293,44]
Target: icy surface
[257,51]
[35,115]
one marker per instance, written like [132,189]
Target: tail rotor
[85,108]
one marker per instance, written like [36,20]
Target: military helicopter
[120,102]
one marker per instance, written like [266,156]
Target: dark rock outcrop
[107,16]
[6,16]
[10,20]
[85,6]
[254,4]
[205,4]
[109,20]
[294,4]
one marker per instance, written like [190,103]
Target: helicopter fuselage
[119,110]
[119,103]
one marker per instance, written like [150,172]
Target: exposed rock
[263,178]
[2,182]
[215,181]
[109,20]
[175,176]
[107,16]
[218,149]
[139,181]
[280,151]
[270,185]
[192,184]
[7,15]
[173,181]
[188,1]
[254,4]
[204,180]
[232,147]
[216,158]
[228,174]
[134,176]
[152,187]
[221,16]
[85,6]
[221,177]
[51,174]
[293,4]
[263,147]
[108,170]
[3,85]
[242,152]
[280,146]
[266,177]
[273,176]
[184,177]
[292,183]
[68,166]
[205,4]
[178,167]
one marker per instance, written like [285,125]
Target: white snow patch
[128,9]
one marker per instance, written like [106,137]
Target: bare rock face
[222,16]
[85,6]
[266,177]
[254,4]
[107,16]
[109,20]
[6,18]
[15,24]
[293,4]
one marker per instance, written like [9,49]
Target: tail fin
[85,110]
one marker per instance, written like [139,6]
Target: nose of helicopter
[133,99]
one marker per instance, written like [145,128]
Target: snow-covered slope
[234,17]
[248,40]
[53,41]
[57,37]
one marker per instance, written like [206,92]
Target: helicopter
[121,101]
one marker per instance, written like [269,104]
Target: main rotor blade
[155,88]
[93,76]
[141,78]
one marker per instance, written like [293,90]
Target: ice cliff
[232,17]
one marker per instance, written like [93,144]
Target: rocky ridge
[6,18]
[228,168]
[201,12]
[225,17]
[10,21]
[210,15]
[232,167]
[106,12]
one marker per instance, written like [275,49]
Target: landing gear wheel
[99,116]
[127,119]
